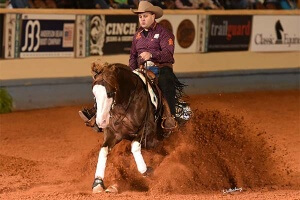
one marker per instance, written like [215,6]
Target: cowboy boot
[168,122]
[89,118]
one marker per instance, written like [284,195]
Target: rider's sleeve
[133,55]
[167,49]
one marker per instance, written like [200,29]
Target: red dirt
[244,140]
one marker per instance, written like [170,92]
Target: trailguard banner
[276,33]
[47,36]
[228,33]
[112,34]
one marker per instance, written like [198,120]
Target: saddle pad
[153,97]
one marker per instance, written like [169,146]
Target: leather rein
[100,79]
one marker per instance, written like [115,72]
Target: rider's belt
[152,64]
[149,64]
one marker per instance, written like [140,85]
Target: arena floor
[244,140]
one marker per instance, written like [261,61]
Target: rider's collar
[152,27]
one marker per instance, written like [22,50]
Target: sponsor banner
[228,32]
[11,35]
[81,23]
[184,28]
[47,35]
[276,33]
[202,27]
[1,35]
[112,34]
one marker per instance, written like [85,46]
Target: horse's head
[104,89]
[112,85]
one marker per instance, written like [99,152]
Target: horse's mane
[97,66]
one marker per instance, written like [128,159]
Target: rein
[146,113]
[100,78]
[128,105]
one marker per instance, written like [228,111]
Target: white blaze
[103,105]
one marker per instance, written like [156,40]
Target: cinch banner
[228,33]
[47,36]
[184,28]
[276,33]
[112,34]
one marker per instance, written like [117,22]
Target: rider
[154,46]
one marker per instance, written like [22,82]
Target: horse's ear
[112,67]
[97,66]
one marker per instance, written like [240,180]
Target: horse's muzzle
[103,123]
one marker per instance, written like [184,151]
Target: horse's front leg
[98,185]
[138,157]
[109,142]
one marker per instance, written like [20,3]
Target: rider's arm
[167,49]
[133,54]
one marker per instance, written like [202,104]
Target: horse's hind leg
[137,154]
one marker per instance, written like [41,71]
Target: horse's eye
[110,94]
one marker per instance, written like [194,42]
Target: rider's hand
[145,55]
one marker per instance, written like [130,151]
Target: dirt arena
[249,141]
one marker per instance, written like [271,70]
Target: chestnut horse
[124,111]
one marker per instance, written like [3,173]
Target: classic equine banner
[276,33]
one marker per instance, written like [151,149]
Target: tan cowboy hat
[145,6]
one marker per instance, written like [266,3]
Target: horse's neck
[127,84]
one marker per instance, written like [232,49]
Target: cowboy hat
[145,6]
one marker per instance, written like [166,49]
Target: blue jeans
[154,69]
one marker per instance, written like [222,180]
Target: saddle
[168,122]
[151,79]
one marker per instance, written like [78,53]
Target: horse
[124,111]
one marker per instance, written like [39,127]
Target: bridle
[102,80]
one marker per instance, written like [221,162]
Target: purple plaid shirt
[159,42]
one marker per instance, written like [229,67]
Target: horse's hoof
[98,185]
[112,189]
[148,172]
[98,189]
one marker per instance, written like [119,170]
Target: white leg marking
[137,154]
[101,162]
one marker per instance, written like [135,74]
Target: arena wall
[49,82]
